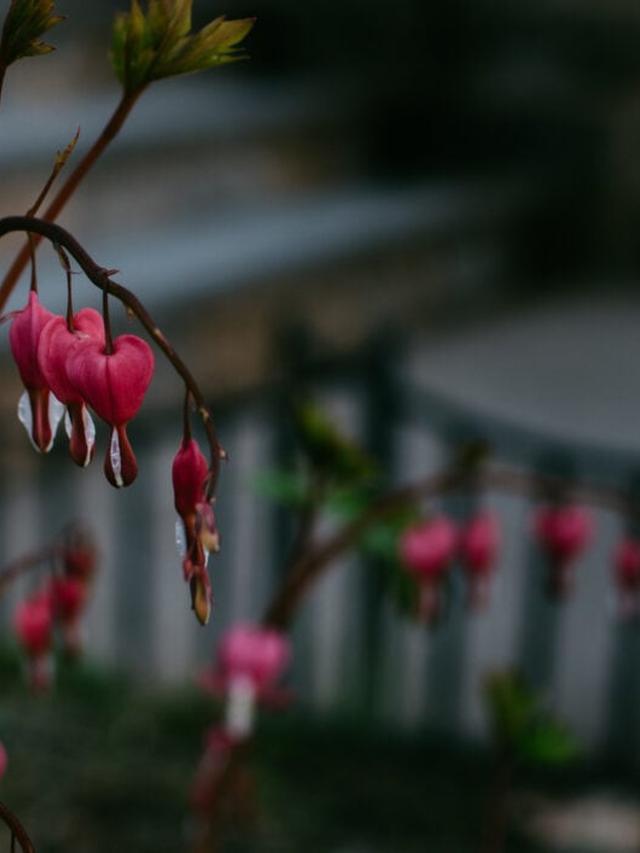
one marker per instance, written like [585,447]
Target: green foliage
[523,727]
[25,22]
[286,487]
[329,451]
[159,43]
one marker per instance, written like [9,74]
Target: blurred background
[427,212]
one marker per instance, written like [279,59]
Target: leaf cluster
[523,727]
[25,23]
[158,43]
[330,452]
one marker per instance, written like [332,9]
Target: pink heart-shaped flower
[114,385]
[56,344]
[38,410]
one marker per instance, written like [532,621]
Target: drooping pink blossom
[479,543]
[196,525]
[114,385]
[33,624]
[4,760]
[38,409]
[79,554]
[627,576]
[258,654]
[426,551]
[563,532]
[69,596]
[56,345]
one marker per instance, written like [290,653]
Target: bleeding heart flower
[426,550]
[627,576]
[259,654]
[38,409]
[33,624]
[195,529]
[563,532]
[54,351]
[79,554]
[4,760]
[114,385]
[479,543]
[249,663]
[68,596]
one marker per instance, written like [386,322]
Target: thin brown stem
[186,417]
[313,563]
[109,132]
[101,278]
[108,338]
[17,829]
[24,564]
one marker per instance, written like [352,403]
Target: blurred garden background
[424,213]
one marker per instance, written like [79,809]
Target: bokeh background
[427,211]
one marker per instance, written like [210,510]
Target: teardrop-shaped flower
[33,624]
[563,532]
[4,760]
[189,474]
[428,548]
[426,551]
[259,654]
[627,577]
[56,345]
[38,409]
[114,385]
[479,543]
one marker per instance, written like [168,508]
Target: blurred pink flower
[4,760]
[479,544]
[427,549]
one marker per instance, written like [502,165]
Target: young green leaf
[158,43]
[25,23]
[328,450]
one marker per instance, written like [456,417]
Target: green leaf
[550,743]
[159,43]
[286,487]
[25,23]
[523,726]
[328,450]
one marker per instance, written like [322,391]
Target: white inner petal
[181,542]
[56,411]
[240,710]
[25,417]
[116,458]
[89,433]
[67,423]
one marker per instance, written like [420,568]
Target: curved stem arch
[101,278]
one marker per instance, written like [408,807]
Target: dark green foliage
[523,727]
